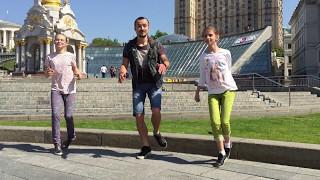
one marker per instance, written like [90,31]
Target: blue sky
[114,18]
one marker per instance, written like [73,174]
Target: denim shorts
[139,96]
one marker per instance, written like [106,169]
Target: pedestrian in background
[103,71]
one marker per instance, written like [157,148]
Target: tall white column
[1,50]
[48,48]
[11,41]
[17,56]
[79,55]
[41,55]
[5,38]
[53,47]
[23,56]
[1,35]
[84,65]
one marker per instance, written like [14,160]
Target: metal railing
[6,57]
[257,83]
[298,80]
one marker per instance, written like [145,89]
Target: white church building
[8,31]
[34,41]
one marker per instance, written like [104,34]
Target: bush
[9,65]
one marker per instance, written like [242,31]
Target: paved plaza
[35,161]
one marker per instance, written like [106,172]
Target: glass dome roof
[173,38]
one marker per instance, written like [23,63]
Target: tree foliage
[98,42]
[158,34]
[104,42]
[279,51]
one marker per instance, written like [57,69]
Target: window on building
[289,46]
[289,59]
[289,72]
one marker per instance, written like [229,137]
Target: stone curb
[276,152]
[168,115]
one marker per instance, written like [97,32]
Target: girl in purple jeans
[61,67]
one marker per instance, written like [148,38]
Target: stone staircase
[98,97]
[295,99]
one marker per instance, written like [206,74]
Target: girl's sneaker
[220,161]
[57,150]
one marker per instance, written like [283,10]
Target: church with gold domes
[34,41]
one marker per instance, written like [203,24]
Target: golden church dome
[56,3]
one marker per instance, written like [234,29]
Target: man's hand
[49,72]
[123,70]
[162,69]
[122,76]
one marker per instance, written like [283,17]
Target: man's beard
[142,35]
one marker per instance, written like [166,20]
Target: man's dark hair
[140,18]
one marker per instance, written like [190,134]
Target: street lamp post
[89,58]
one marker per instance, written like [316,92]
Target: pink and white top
[63,78]
[215,72]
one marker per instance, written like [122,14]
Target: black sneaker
[228,152]
[57,150]
[67,143]
[145,152]
[161,141]
[220,161]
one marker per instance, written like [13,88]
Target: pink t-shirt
[63,78]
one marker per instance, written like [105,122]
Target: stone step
[283,92]
[119,110]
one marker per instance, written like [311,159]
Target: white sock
[222,152]
[227,145]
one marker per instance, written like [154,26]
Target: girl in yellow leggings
[215,74]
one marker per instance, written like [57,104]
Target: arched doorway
[70,49]
[34,60]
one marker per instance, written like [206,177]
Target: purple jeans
[57,100]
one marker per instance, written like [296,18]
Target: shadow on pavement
[96,153]
[100,153]
[25,147]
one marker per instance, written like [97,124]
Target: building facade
[34,41]
[229,16]
[287,52]
[8,31]
[305,29]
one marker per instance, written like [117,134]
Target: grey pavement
[36,161]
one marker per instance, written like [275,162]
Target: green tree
[104,42]
[159,34]
[279,51]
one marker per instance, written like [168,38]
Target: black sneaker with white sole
[228,152]
[57,150]
[66,144]
[161,140]
[145,152]
[220,161]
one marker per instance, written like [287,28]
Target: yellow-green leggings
[220,107]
